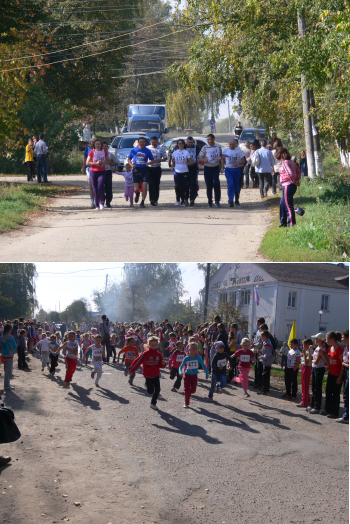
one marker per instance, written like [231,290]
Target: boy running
[175,362]
[98,352]
[151,360]
[218,368]
[54,353]
[131,353]
[72,347]
[191,365]
[44,350]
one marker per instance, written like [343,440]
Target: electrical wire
[141,74]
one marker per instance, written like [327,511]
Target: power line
[141,74]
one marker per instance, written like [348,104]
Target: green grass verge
[323,233]
[18,201]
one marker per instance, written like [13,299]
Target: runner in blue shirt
[139,159]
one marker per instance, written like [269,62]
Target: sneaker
[154,406]
[97,209]
[92,205]
[330,415]
[210,205]
[186,405]
[283,396]
[309,409]
[97,384]
[231,204]
[192,203]
[92,374]
[127,199]
[210,399]
[246,395]
[10,387]
[130,382]
[153,203]
[66,384]
[137,196]
[101,206]
[177,203]
[300,405]
[42,369]
[183,204]
[218,390]
[173,389]
[109,206]
[217,204]
[342,420]
[126,372]
[142,203]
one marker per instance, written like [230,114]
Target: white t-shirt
[128,178]
[97,353]
[321,363]
[45,344]
[232,156]
[181,158]
[292,356]
[71,346]
[158,153]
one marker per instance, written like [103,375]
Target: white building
[315,295]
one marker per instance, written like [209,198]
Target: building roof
[313,274]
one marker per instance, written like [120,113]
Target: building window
[323,329]
[292,299]
[222,298]
[245,298]
[289,329]
[233,298]
[325,303]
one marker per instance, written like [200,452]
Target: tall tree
[17,290]
[77,311]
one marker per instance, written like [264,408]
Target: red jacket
[151,361]
[289,172]
[176,359]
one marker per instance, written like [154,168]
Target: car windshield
[128,143]
[249,134]
[116,141]
[145,125]
[147,110]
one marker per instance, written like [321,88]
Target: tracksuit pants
[155,174]
[108,187]
[346,395]
[190,386]
[97,370]
[316,385]
[291,381]
[71,365]
[21,357]
[98,183]
[45,358]
[266,379]
[212,180]
[8,363]
[305,385]
[193,182]
[174,372]
[332,395]
[287,214]
[53,362]
[264,182]
[153,388]
[181,186]
[233,177]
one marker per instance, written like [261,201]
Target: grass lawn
[323,233]
[18,201]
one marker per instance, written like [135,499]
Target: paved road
[263,460]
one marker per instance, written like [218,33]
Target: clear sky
[58,284]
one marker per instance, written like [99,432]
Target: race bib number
[192,364]
[192,152]
[130,355]
[179,358]
[99,155]
[213,154]
[97,358]
[244,358]
[221,363]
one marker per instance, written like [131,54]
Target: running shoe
[192,203]
[177,203]
[97,384]
[142,204]
[210,399]
[183,204]
[92,374]
[173,389]
[186,405]
[101,206]
[342,420]
[154,406]
[97,209]
[137,196]
[153,203]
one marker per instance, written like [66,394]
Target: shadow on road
[182,427]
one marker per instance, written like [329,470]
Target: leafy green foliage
[17,290]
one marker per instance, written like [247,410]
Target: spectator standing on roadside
[265,168]
[8,348]
[29,160]
[284,353]
[334,359]
[41,149]
[303,163]
[345,377]
[86,169]
[238,130]
[306,370]
[276,168]
[290,176]
[291,371]
[245,173]
[108,189]
[211,154]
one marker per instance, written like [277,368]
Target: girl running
[98,352]
[191,366]
[175,362]
[129,184]
[131,353]
[245,356]
[54,353]
[70,348]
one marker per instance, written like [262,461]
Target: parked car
[123,144]
[170,145]
[250,132]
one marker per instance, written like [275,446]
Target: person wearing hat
[317,374]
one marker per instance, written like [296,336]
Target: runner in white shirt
[181,159]
[234,159]
[44,350]
[98,353]
[155,170]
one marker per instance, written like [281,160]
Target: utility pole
[316,136]
[106,283]
[229,118]
[306,111]
[205,312]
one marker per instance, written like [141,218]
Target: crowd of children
[226,356]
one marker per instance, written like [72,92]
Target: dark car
[249,133]
[170,144]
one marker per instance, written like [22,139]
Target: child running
[86,343]
[71,348]
[191,365]
[98,352]
[54,353]
[175,362]
[151,360]
[129,184]
[44,345]
[245,356]
[131,353]
[218,369]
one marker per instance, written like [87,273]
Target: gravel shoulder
[235,460]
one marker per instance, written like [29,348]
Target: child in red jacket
[151,360]
[175,362]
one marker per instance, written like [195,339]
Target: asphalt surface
[261,460]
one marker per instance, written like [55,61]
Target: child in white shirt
[129,184]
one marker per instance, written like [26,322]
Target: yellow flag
[189,326]
[293,333]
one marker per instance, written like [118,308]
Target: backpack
[9,432]
[255,162]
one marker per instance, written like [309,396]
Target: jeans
[181,186]
[264,182]
[266,379]
[316,385]
[246,174]
[214,379]
[174,372]
[193,182]
[30,170]
[8,363]
[153,387]
[275,178]
[132,376]
[287,214]
[346,395]
[212,180]
[41,167]
[98,182]
[283,361]
[155,174]
[53,362]
[332,395]
[105,342]
[291,381]
[233,177]
[21,357]
[108,187]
